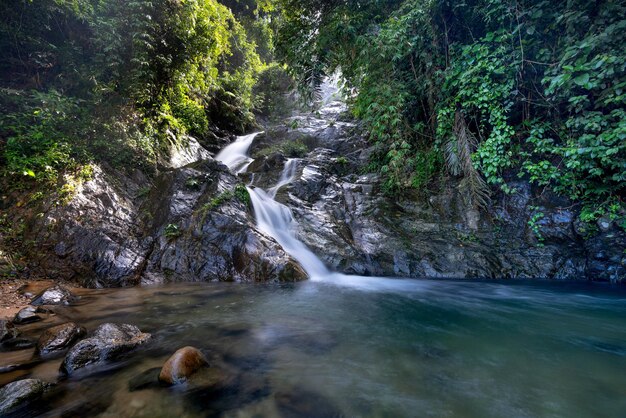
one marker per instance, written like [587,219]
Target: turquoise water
[389,348]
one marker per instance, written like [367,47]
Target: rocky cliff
[194,223]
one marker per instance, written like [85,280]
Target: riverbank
[11,297]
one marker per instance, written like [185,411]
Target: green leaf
[582,79]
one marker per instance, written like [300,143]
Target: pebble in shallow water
[27,315]
[54,295]
[181,365]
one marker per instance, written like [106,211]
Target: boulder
[7,330]
[109,342]
[59,338]
[181,365]
[54,295]
[27,315]
[21,393]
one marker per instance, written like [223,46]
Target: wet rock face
[19,394]
[27,315]
[217,239]
[184,225]
[181,365]
[354,228]
[59,338]
[109,342]
[7,330]
[55,295]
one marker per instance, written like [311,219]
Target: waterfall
[287,176]
[276,220]
[273,218]
[235,155]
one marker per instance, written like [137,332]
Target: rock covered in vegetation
[21,393]
[27,315]
[109,342]
[181,365]
[59,338]
[54,295]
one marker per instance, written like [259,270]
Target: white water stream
[276,220]
[273,218]
[288,175]
[235,155]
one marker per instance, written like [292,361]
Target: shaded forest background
[488,91]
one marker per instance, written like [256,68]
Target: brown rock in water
[59,338]
[181,365]
[7,330]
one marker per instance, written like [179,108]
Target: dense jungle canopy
[490,91]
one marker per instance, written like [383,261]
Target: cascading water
[286,177]
[273,218]
[235,155]
[276,220]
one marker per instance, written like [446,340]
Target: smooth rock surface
[181,365]
[21,393]
[54,295]
[108,343]
[27,315]
[59,338]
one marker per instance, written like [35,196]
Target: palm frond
[475,187]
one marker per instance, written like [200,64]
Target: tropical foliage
[487,90]
[119,81]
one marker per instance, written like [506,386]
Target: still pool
[355,347]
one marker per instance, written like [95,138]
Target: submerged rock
[19,394]
[55,295]
[17,344]
[145,380]
[27,315]
[303,403]
[59,338]
[181,365]
[7,330]
[109,342]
